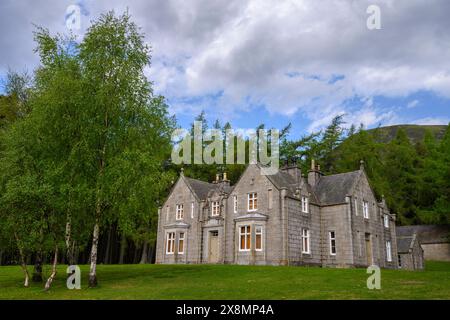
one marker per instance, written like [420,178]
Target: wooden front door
[213,247]
[369,249]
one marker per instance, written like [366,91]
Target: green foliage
[412,176]
[91,147]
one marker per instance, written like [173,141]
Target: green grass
[235,282]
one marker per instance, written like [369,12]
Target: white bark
[53,274]
[68,238]
[93,268]
[23,263]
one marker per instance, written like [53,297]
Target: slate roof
[283,179]
[426,233]
[404,244]
[330,190]
[334,188]
[201,188]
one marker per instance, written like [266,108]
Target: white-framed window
[386,221]
[305,241]
[252,201]
[180,212]
[388,251]
[356,206]
[215,208]
[366,209]
[170,242]
[181,242]
[269,198]
[305,204]
[258,238]
[192,210]
[235,204]
[332,237]
[244,238]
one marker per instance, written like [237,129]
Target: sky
[270,61]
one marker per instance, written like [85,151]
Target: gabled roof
[426,233]
[329,190]
[404,244]
[334,188]
[282,179]
[200,188]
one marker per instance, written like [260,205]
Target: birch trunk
[23,263]
[98,212]
[93,258]
[53,274]
[69,247]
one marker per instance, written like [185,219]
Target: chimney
[222,182]
[314,174]
[292,169]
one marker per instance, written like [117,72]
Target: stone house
[434,240]
[281,219]
[410,253]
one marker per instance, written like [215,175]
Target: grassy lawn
[235,282]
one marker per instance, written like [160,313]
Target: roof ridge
[337,174]
[198,180]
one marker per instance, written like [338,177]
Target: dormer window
[180,212]
[252,203]
[305,204]
[215,208]
[386,221]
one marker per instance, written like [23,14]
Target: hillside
[414,132]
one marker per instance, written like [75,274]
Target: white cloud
[230,55]
[412,104]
